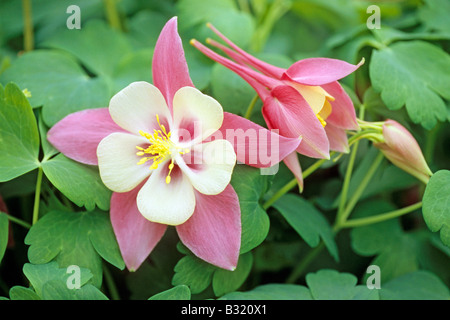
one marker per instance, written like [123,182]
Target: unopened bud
[402,149]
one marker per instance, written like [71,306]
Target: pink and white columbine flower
[163,169]
[304,101]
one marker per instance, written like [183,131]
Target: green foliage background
[289,250]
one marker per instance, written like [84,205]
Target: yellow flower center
[159,149]
[318,99]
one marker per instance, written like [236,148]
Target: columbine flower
[400,147]
[155,150]
[303,101]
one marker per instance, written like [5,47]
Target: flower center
[159,149]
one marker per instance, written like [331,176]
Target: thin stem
[359,191]
[348,173]
[110,284]
[37,196]
[381,217]
[285,189]
[16,220]
[301,267]
[291,184]
[346,184]
[112,14]
[250,107]
[28,34]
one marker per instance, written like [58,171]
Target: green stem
[346,184]
[110,284]
[341,219]
[112,14]
[250,107]
[380,217]
[301,267]
[37,196]
[16,220]
[28,34]
[291,184]
[348,172]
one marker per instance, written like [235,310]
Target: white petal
[212,166]
[117,161]
[195,114]
[170,204]
[135,107]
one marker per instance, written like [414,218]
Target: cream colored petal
[135,107]
[196,113]
[212,168]
[117,161]
[166,203]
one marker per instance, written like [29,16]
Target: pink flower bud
[402,149]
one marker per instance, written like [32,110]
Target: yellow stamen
[322,122]
[159,149]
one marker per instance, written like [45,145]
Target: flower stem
[291,184]
[346,184]
[250,107]
[343,215]
[28,35]
[16,220]
[37,196]
[112,14]
[380,217]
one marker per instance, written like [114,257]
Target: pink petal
[78,135]
[136,235]
[213,233]
[262,66]
[258,81]
[319,71]
[337,137]
[291,161]
[289,112]
[342,110]
[255,145]
[169,66]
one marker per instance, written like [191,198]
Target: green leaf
[225,281]
[80,183]
[180,292]
[436,204]
[394,251]
[272,292]
[333,285]
[74,238]
[4,231]
[249,185]
[434,14]
[19,136]
[58,83]
[40,274]
[194,273]
[58,290]
[307,221]
[97,46]
[22,293]
[414,74]
[419,285]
